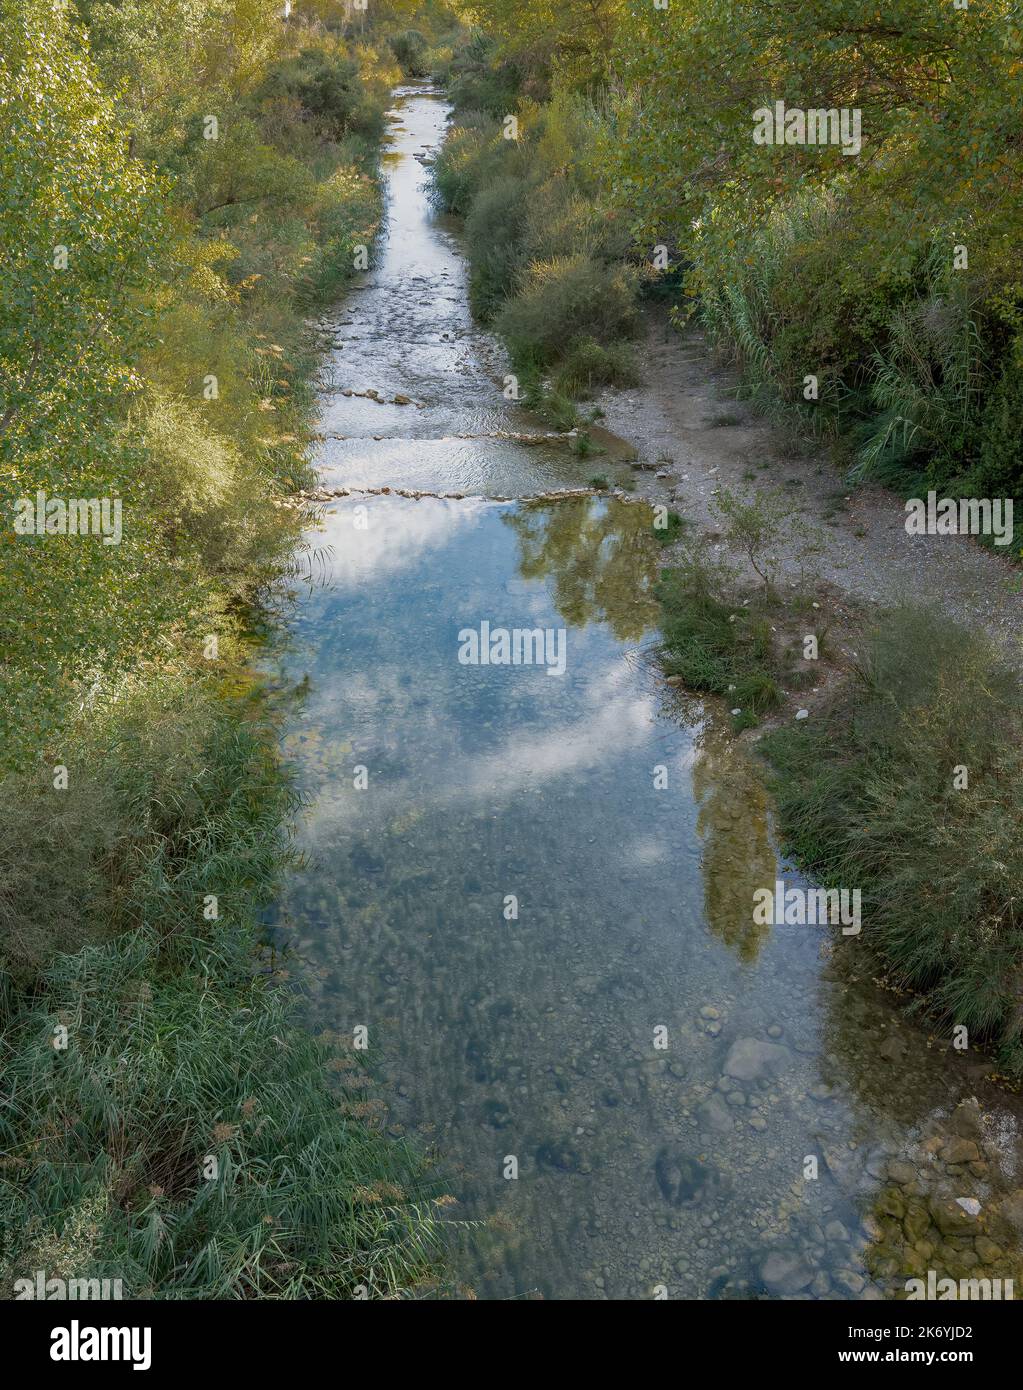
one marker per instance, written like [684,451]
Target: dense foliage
[874,795]
[549,255]
[891,274]
[182,183]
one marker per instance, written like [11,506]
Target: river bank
[165,1122]
[686,418]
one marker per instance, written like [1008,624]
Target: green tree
[81,239]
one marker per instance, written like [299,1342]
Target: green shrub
[563,221]
[493,230]
[328,89]
[410,49]
[588,366]
[567,298]
[439,61]
[868,799]
[346,214]
[926,382]
[998,471]
[480,80]
[458,165]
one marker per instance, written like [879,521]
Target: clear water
[591,1037]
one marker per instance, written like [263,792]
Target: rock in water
[682,1179]
[750,1059]
[785,1272]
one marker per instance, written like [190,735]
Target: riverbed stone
[850,1281]
[988,1251]
[950,1218]
[751,1058]
[558,1156]
[845,1166]
[891,1203]
[891,1049]
[966,1119]
[714,1114]
[682,1179]
[916,1223]
[1010,1209]
[901,1172]
[960,1150]
[785,1272]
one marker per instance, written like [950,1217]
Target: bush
[999,468]
[479,80]
[564,299]
[547,256]
[868,799]
[410,50]
[327,89]
[458,167]
[926,383]
[588,366]
[493,230]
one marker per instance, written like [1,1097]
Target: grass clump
[188,1140]
[874,798]
[728,636]
[563,298]
[671,530]
[184,1134]
[588,366]
[714,641]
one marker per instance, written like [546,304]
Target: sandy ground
[686,412]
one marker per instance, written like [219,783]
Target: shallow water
[663,1072]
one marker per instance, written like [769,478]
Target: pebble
[969,1205]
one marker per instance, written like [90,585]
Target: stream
[534,890]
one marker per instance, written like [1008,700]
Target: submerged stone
[749,1059]
[681,1178]
[785,1272]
